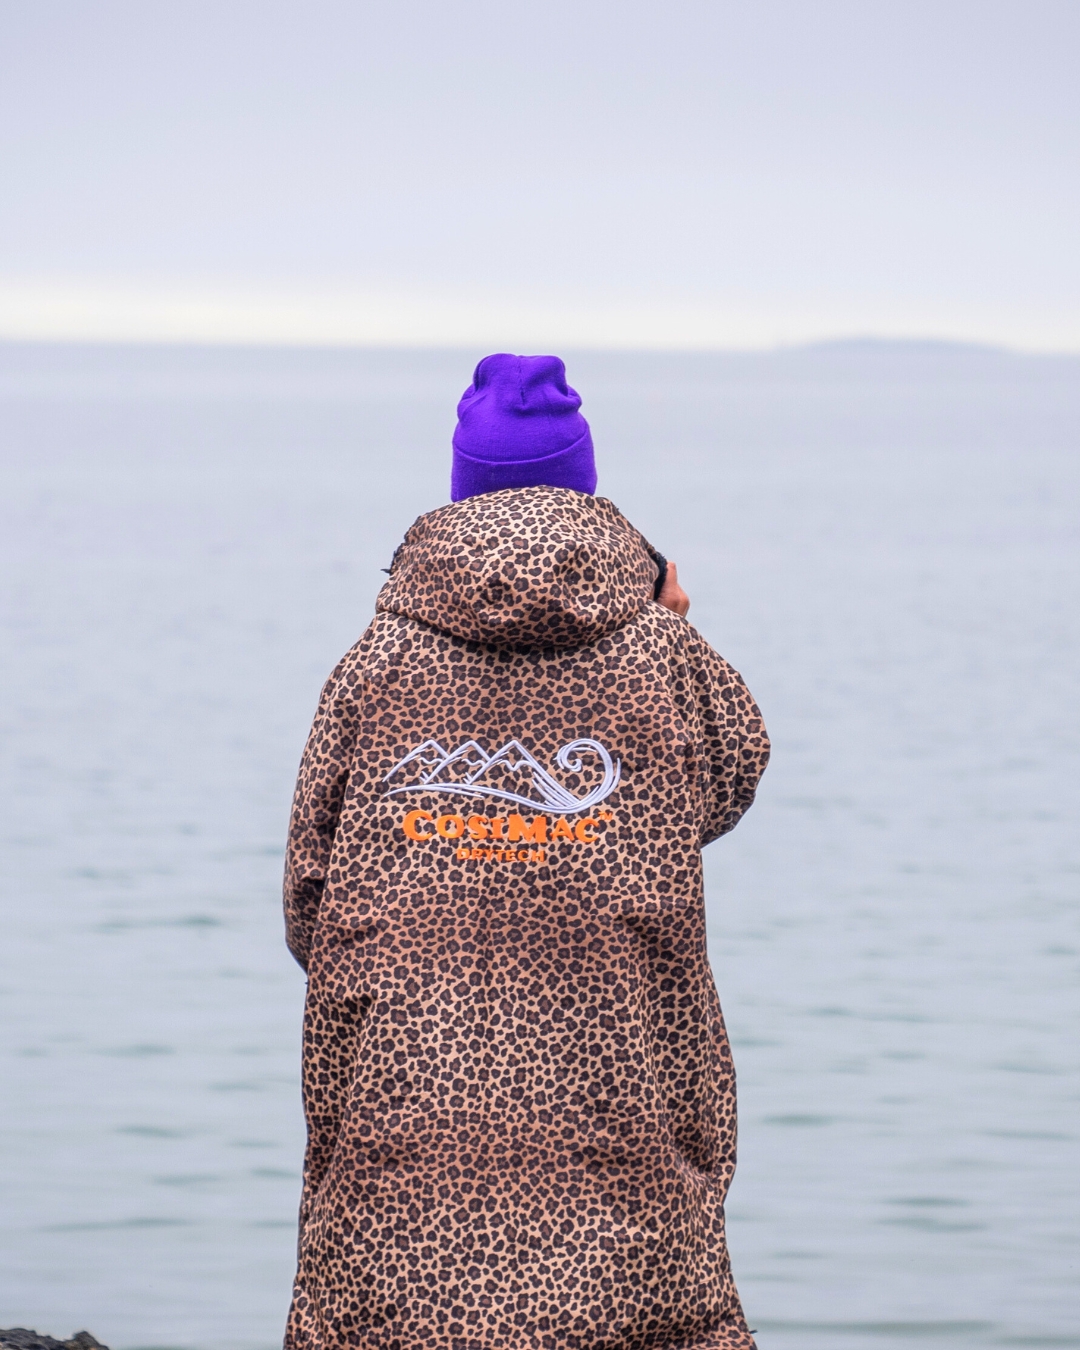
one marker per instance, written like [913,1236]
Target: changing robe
[518,1086]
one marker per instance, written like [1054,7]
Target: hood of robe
[523,568]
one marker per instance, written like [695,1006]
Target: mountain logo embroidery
[511,773]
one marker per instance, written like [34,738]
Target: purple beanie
[519,426]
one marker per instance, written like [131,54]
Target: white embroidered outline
[434,760]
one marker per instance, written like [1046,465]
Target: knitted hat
[519,426]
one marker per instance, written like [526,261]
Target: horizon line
[854,339]
[56,310]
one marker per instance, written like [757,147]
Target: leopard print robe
[518,1087]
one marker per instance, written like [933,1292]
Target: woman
[518,1086]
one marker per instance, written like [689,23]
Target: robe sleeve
[736,745]
[316,809]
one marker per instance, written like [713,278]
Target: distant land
[194,370]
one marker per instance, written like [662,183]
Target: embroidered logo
[511,773]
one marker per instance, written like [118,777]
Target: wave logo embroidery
[511,773]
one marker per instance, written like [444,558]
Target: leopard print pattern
[518,1086]
[524,568]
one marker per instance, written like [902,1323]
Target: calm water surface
[883,539]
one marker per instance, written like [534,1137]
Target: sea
[883,537]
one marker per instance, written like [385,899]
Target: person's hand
[673,596]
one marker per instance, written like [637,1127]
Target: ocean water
[883,538]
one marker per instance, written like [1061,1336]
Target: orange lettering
[478,826]
[450,827]
[410,822]
[536,833]
[581,830]
[466,853]
[497,827]
[562,829]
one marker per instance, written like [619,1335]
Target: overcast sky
[579,172]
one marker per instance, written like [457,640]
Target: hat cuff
[573,468]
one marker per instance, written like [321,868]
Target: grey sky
[706,173]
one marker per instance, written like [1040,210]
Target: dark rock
[18,1338]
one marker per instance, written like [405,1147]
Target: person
[518,1087]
